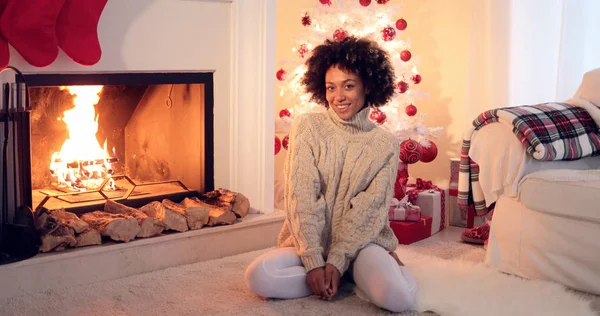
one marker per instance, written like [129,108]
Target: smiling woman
[339,181]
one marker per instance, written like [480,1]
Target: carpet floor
[451,276]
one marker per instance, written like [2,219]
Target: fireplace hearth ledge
[117,260]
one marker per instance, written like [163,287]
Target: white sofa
[546,222]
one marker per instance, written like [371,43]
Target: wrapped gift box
[402,211]
[410,232]
[433,204]
[457,216]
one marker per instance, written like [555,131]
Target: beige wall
[439,34]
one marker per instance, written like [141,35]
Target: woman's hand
[395,256]
[332,279]
[315,279]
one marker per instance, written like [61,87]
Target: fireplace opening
[131,137]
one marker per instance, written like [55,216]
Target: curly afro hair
[357,55]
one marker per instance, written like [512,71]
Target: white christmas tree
[378,20]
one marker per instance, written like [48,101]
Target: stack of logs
[60,229]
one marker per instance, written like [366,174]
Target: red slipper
[477,235]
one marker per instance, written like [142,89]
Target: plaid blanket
[549,131]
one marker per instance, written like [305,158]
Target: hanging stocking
[29,26]
[4,53]
[77,30]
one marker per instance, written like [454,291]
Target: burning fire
[81,163]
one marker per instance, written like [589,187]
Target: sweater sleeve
[367,216]
[304,202]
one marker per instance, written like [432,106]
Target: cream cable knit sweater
[339,183]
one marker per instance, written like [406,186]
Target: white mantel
[235,39]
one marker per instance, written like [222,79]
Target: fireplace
[234,41]
[134,137]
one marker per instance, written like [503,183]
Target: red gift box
[410,232]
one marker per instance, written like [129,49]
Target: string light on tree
[378,20]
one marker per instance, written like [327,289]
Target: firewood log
[218,215]
[239,202]
[88,237]
[149,226]
[196,215]
[70,220]
[118,227]
[172,219]
[54,234]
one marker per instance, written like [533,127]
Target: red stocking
[29,26]
[4,54]
[77,30]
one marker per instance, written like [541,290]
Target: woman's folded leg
[385,283]
[278,274]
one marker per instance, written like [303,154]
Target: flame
[81,163]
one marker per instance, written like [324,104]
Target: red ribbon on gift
[422,186]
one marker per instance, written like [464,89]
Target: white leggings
[279,274]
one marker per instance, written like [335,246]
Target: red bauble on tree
[429,153]
[416,78]
[277,145]
[340,34]
[302,50]
[410,151]
[306,20]
[281,74]
[325,2]
[365,3]
[285,142]
[388,33]
[383,1]
[401,24]
[410,110]
[402,86]
[285,112]
[378,116]
[405,55]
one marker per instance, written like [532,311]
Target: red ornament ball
[401,24]
[410,110]
[285,142]
[277,145]
[383,1]
[405,55]
[281,74]
[306,20]
[402,86]
[430,153]
[325,2]
[378,116]
[285,112]
[410,151]
[365,3]
[302,50]
[340,34]
[416,78]
[388,33]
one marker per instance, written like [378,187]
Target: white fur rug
[448,287]
[464,288]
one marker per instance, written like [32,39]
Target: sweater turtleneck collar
[359,123]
